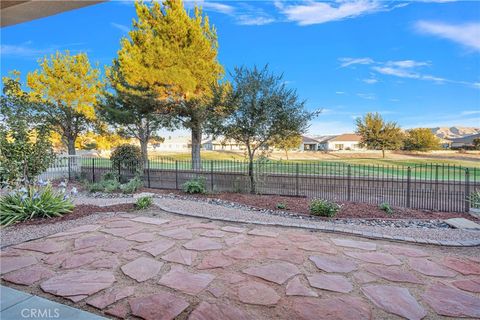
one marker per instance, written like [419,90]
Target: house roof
[347,137]
[323,139]
[308,140]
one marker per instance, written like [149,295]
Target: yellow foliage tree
[174,55]
[65,89]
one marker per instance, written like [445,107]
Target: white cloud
[407,63]
[346,62]
[25,50]
[313,12]
[467,34]
[398,72]
[370,80]
[120,27]
[470,112]
[251,20]
[216,6]
[367,96]
[340,92]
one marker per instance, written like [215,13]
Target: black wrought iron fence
[439,187]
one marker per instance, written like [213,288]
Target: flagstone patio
[160,268]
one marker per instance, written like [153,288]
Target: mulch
[349,210]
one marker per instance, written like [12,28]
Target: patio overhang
[14,12]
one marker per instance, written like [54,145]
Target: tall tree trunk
[383,153]
[71,146]
[251,173]
[144,151]
[196,145]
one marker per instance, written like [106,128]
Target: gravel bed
[212,211]
[21,233]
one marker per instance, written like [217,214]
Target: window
[339,147]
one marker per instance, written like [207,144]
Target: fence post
[467,189]
[93,169]
[349,183]
[296,180]
[176,174]
[148,173]
[409,178]
[69,169]
[211,174]
[436,206]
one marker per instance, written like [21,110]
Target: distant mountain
[454,132]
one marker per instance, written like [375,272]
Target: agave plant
[34,202]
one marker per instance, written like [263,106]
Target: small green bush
[108,186]
[126,156]
[131,186]
[31,203]
[196,185]
[109,176]
[323,208]
[386,207]
[281,206]
[143,203]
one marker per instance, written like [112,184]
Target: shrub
[143,203]
[34,202]
[126,156]
[104,186]
[474,199]
[281,206]
[386,207]
[324,208]
[132,185]
[109,176]
[196,185]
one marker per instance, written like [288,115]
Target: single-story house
[175,143]
[222,144]
[346,141]
[309,144]
[466,141]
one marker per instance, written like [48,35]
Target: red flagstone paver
[142,268]
[107,263]
[8,264]
[121,224]
[269,243]
[318,247]
[181,256]
[197,225]
[158,306]
[215,260]
[141,237]
[120,310]
[295,287]
[341,308]
[299,237]
[277,272]
[28,276]
[123,232]
[211,311]
[290,255]
[110,297]
[429,268]
[234,229]
[91,241]
[233,278]
[406,251]
[472,285]
[216,291]
[330,282]
[203,244]
[131,255]
[179,234]
[117,245]
[78,260]
[241,252]
[253,292]
[54,259]
[76,230]
[465,267]
[47,246]
[334,263]
[449,301]
[393,274]
[262,233]
[364,277]
[155,247]
[396,300]
[213,234]
[148,220]
[375,257]
[355,244]
[78,283]
[233,241]
[186,282]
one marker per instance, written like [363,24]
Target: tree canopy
[377,134]
[264,109]
[65,89]
[421,139]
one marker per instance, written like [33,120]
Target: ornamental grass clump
[324,208]
[35,202]
[196,185]
[143,203]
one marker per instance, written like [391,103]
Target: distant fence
[430,186]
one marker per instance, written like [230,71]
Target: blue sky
[417,63]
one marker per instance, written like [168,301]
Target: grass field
[444,166]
